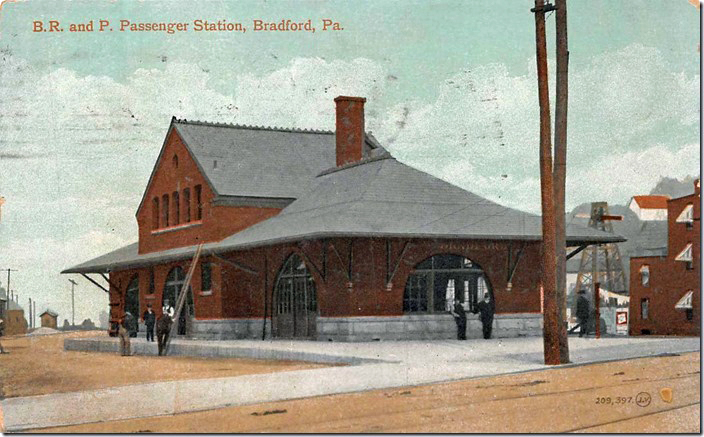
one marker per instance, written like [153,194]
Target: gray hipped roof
[260,162]
[378,197]
[383,197]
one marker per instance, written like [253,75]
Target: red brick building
[665,291]
[321,235]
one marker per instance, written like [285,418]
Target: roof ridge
[250,127]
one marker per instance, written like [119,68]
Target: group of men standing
[127,328]
[485,308]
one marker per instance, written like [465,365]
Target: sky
[451,89]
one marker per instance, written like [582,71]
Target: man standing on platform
[461,320]
[583,313]
[149,322]
[485,309]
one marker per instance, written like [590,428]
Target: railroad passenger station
[321,235]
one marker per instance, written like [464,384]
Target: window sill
[151,296]
[177,227]
[206,293]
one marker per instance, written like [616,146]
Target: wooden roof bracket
[237,265]
[342,263]
[391,273]
[95,283]
[576,251]
[512,268]
[310,262]
[117,287]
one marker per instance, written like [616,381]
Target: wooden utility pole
[73,303]
[560,172]
[551,344]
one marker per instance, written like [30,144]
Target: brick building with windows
[321,235]
[665,290]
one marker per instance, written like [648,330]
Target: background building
[665,290]
[48,319]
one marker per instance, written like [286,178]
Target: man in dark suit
[461,320]
[149,322]
[583,313]
[163,329]
[485,309]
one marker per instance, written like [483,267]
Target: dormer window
[687,216]
[686,256]
[174,161]
[645,275]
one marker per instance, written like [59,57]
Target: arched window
[187,205]
[155,213]
[132,297]
[295,301]
[173,285]
[174,161]
[436,282]
[164,210]
[174,200]
[172,289]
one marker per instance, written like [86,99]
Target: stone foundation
[228,329]
[407,327]
[424,327]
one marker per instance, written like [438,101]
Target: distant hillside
[673,187]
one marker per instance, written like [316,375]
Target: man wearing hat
[149,321]
[583,311]
[485,308]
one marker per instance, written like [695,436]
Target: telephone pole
[559,172]
[551,328]
[73,305]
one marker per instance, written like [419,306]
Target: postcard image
[322,216]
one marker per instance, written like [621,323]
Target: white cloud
[77,151]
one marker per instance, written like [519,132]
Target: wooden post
[597,315]
[551,328]
[559,173]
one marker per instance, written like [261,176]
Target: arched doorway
[295,302]
[132,297]
[172,288]
[435,282]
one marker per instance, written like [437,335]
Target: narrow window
[645,275]
[186,205]
[151,280]
[644,307]
[165,210]
[199,204]
[174,196]
[690,314]
[206,276]
[155,213]
[175,161]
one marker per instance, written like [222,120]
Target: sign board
[622,322]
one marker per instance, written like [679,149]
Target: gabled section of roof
[652,201]
[256,161]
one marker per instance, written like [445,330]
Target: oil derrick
[601,263]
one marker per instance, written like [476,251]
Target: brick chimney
[349,125]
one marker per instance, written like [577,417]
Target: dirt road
[39,365]
[615,397]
